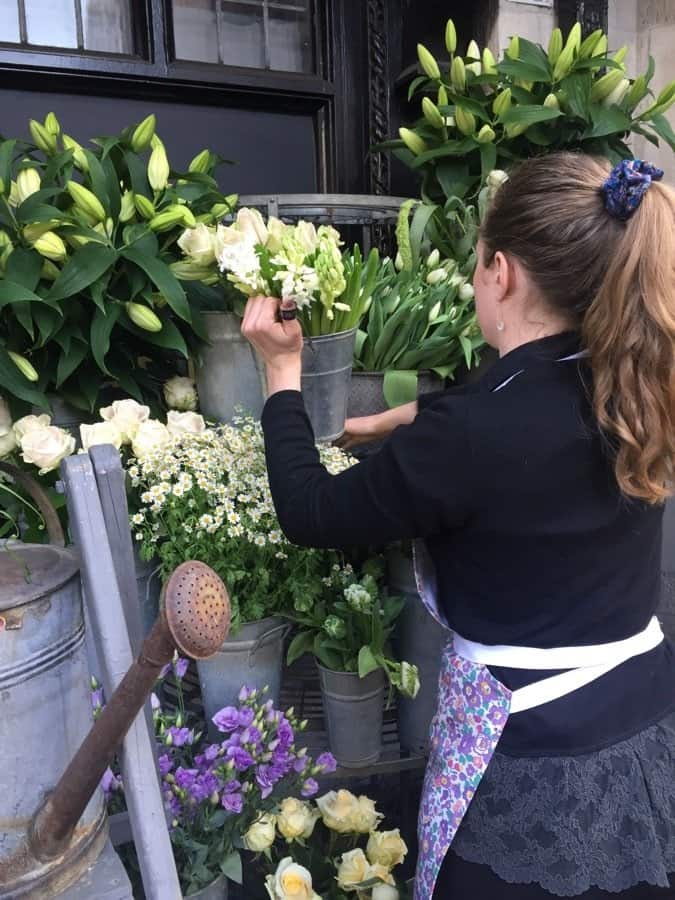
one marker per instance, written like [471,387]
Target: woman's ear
[504,275]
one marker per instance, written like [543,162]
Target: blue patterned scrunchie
[626,186]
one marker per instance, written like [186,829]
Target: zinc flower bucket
[217,890]
[253,657]
[326,379]
[353,712]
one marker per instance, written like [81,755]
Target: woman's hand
[364,429]
[278,342]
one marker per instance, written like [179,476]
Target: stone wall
[530,20]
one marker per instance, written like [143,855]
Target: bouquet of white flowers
[297,262]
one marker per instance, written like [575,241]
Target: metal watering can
[52,817]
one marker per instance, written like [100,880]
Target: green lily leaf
[163,279]
[101,327]
[83,268]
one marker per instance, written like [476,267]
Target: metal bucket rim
[324,338]
[40,591]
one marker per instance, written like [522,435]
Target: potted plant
[206,496]
[348,630]
[329,848]
[87,238]
[216,792]
[297,262]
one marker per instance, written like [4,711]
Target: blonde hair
[613,280]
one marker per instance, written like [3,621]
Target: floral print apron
[473,707]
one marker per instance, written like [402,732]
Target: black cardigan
[512,486]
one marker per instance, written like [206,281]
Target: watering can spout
[194,620]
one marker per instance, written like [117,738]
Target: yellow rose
[352,869]
[296,819]
[100,433]
[290,882]
[261,834]
[128,415]
[381,872]
[338,810]
[386,848]
[365,817]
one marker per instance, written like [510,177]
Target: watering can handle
[42,501]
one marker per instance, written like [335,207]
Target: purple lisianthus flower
[109,782]
[165,671]
[244,693]
[301,764]
[232,786]
[265,779]
[310,788]
[185,778]
[233,803]
[211,752]
[326,762]
[241,758]
[285,733]
[180,736]
[205,784]
[250,735]
[97,698]
[165,764]
[246,716]
[154,701]
[180,667]
[173,804]
[226,719]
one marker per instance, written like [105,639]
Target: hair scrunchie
[627,185]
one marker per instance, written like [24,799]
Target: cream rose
[30,423]
[184,423]
[381,872]
[384,892]
[46,447]
[228,236]
[100,433]
[386,848]
[150,436]
[306,236]
[338,810]
[365,817]
[275,234]
[7,437]
[128,415]
[180,393]
[252,224]
[352,869]
[197,243]
[296,819]
[290,882]
[261,834]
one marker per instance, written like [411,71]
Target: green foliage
[75,249]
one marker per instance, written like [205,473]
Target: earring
[500,325]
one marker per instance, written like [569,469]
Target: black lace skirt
[600,824]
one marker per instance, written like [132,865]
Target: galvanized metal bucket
[419,640]
[45,708]
[366,397]
[253,657]
[326,378]
[353,711]
[231,375]
[217,890]
[149,587]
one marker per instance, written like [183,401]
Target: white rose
[306,236]
[261,834]
[338,810]
[100,433]
[251,223]
[466,291]
[180,393]
[296,819]
[197,243]
[384,892]
[365,817]
[229,236]
[150,436]
[352,868]
[290,882]
[184,423]
[275,234]
[128,415]
[30,423]
[7,437]
[386,848]
[46,447]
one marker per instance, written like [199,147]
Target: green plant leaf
[488,159]
[231,867]
[518,115]
[16,384]
[467,347]
[25,318]
[367,662]
[607,120]
[454,178]
[595,62]
[163,279]
[112,185]
[101,327]
[662,127]
[534,55]
[6,158]
[98,180]
[138,175]
[421,216]
[467,104]
[328,658]
[577,88]
[449,148]
[399,387]
[10,292]
[301,644]
[24,267]
[169,338]
[523,71]
[84,267]
[70,361]
[414,84]
[651,69]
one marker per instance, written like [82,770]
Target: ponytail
[614,279]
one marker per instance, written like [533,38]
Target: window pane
[107,26]
[290,40]
[195,30]
[9,22]
[51,23]
[243,35]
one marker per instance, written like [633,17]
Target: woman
[538,494]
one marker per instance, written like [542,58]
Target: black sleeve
[417,485]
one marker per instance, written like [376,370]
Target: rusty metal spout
[195,620]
